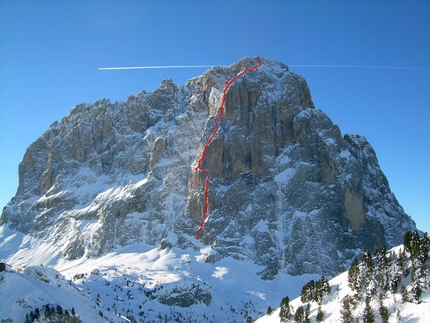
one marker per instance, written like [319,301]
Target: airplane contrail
[292,65]
[151,67]
[366,66]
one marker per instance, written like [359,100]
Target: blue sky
[50,52]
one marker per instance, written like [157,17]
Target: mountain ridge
[287,191]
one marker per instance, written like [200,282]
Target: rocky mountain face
[287,190]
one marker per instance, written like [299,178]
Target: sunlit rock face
[287,190]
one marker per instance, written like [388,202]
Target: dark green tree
[59,310]
[354,277]
[417,280]
[285,310]
[308,292]
[307,318]
[368,315]
[322,289]
[405,294]
[383,312]
[411,241]
[368,264]
[249,319]
[346,310]
[269,310]
[299,316]
[320,314]
[381,269]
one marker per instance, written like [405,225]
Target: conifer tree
[322,289]
[285,310]
[320,314]
[307,318]
[368,316]
[354,277]
[381,269]
[368,267]
[417,281]
[405,294]
[346,310]
[394,273]
[299,316]
[411,242]
[308,292]
[383,311]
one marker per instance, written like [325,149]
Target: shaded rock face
[287,191]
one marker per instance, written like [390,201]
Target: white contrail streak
[295,65]
[365,66]
[151,67]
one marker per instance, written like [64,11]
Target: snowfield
[134,281]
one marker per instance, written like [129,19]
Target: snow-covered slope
[143,282]
[399,301]
[22,293]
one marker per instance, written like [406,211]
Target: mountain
[287,191]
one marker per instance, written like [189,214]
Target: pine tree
[320,314]
[285,310]
[307,318]
[417,281]
[46,310]
[368,316]
[322,289]
[381,269]
[411,242]
[299,316]
[405,294]
[383,311]
[308,292]
[367,270]
[394,273]
[346,310]
[269,310]
[354,277]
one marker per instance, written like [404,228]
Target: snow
[121,277]
[331,305]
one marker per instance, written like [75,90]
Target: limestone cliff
[287,191]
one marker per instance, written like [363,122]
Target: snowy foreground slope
[399,301]
[135,281]
[140,283]
[410,312]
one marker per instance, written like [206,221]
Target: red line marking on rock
[199,163]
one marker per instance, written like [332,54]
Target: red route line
[199,163]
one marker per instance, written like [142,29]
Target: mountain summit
[287,190]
